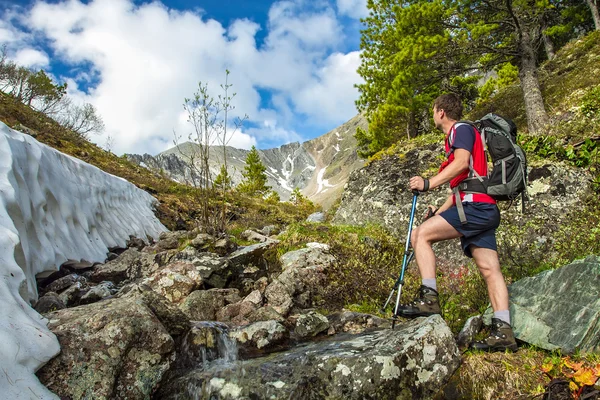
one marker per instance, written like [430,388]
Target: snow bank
[52,208]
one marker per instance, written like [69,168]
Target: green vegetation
[255,179]
[414,51]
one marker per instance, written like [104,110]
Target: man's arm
[455,168]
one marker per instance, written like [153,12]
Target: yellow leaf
[597,370]
[547,367]
[573,365]
[585,376]
[573,386]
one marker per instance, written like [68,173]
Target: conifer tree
[223,180]
[255,179]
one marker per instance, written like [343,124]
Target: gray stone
[215,271]
[316,217]
[412,361]
[110,349]
[237,313]
[66,281]
[98,292]
[269,230]
[559,308]
[252,236]
[176,281]
[49,302]
[224,246]
[72,295]
[469,330]
[130,265]
[311,324]
[201,241]
[353,322]
[258,336]
[251,254]
[202,305]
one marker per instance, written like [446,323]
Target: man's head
[447,107]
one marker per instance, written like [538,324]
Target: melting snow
[323,183]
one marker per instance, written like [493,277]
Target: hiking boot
[425,304]
[501,338]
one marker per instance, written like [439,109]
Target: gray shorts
[480,230]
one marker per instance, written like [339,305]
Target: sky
[292,63]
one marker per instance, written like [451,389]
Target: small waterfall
[207,344]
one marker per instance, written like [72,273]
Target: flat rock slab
[411,362]
[559,308]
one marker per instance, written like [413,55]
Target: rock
[237,313]
[316,217]
[49,302]
[170,240]
[254,297]
[174,321]
[202,241]
[63,283]
[202,305]
[111,349]
[301,282]
[265,313]
[558,308]
[261,284]
[252,236]
[251,254]
[311,324]
[98,292]
[269,230]
[176,281]
[72,295]
[353,322]
[135,243]
[316,245]
[215,271]
[468,332]
[130,265]
[279,297]
[258,336]
[206,342]
[224,246]
[412,361]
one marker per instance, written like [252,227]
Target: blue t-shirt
[464,137]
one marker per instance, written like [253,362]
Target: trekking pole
[406,260]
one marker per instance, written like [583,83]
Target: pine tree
[255,179]
[409,57]
[223,180]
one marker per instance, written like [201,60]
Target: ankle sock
[431,283]
[503,315]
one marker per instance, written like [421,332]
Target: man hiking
[474,219]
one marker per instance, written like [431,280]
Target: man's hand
[430,212]
[418,183]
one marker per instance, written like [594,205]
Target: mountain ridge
[319,167]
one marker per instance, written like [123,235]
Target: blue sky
[293,63]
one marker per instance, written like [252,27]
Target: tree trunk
[594,8]
[532,94]
[549,46]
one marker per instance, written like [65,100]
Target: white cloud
[31,58]
[353,8]
[144,60]
[332,95]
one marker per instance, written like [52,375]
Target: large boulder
[112,349]
[203,305]
[411,362]
[301,282]
[130,265]
[559,308]
[379,194]
[214,270]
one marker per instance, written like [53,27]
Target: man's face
[437,117]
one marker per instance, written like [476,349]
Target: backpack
[508,177]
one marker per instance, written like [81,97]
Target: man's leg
[501,337]
[489,266]
[433,230]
